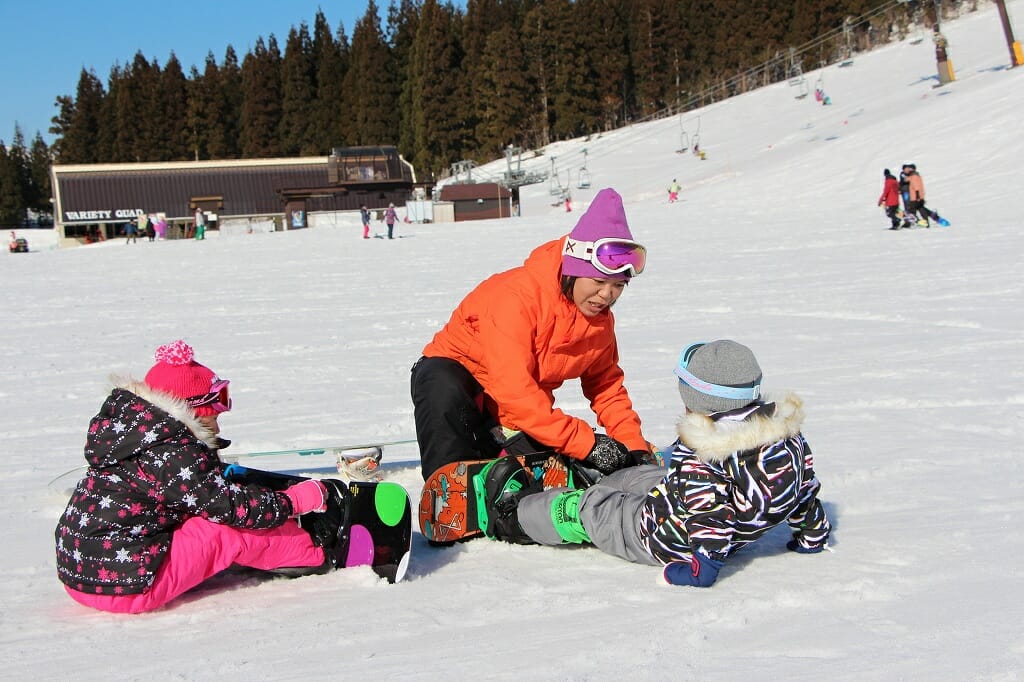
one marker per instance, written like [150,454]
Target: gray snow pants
[609,511]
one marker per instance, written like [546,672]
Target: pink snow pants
[201,549]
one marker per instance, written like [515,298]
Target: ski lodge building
[246,194]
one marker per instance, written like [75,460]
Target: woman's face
[594,296]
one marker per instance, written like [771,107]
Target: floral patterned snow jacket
[151,467]
[733,477]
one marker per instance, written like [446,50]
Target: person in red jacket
[486,381]
[891,199]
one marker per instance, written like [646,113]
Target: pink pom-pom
[177,353]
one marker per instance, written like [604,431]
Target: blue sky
[47,43]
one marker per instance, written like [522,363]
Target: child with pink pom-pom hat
[154,515]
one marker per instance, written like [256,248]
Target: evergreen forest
[444,83]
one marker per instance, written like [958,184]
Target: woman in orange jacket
[486,381]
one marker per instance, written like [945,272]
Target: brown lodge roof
[246,189]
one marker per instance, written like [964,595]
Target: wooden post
[1016,56]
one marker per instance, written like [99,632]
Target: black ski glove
[608,455]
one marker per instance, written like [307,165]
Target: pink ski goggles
[218,399]
[610,256]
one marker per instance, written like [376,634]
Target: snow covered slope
[906,347]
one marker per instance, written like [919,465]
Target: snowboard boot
[329,529]
[504,482]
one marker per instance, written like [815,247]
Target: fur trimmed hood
[714,439]
[173,406]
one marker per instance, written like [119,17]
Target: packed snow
[906,347]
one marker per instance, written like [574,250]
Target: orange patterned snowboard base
[448,507]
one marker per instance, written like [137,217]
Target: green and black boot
[499,486]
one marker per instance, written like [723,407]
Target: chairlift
[555,187]
[802,84]
[583,180]
[796,75]
[697,151]
[847,59]
[918,21]
[684,139]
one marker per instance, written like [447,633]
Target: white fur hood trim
[174,406]
[716,440]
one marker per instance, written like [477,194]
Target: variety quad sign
[103,216]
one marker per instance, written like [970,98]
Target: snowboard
[451,505]
[380,518]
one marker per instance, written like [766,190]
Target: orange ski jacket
[521,338]
[916,187]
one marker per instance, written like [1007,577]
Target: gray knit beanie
[723,363]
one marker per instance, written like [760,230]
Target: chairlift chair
[847,59]
[695,141]
[555,187]
[583,179]
[684,142]
[918,20]
[802,84]
[796,75]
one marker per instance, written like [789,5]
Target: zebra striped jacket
[732,477]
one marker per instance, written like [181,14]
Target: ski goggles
[218,399]
[610,256]
[750,392]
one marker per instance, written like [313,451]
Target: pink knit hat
[177,373]
[604,219]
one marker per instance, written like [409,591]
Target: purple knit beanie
[605,218]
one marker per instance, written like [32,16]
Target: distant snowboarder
[673,192]
[890,198]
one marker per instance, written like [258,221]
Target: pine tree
[437,90]
[132,119]
[61,122]
[18,191]
[298,94]
[606,45]
[540,41]
[198,102]
[174,135]
[371,92]
[107,137]
[213,108]
[224,121]
[576,105]
[39,161]
[12,203]
[403,21]
[654,55]
[261,101]
[330,62]
[504,92]
[78,144]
